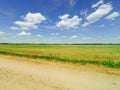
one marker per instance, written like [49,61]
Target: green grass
[107,63]
[87,52]
[107,55]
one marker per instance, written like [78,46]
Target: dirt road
[17,75]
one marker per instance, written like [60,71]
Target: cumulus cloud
[1,33]
[73,37]
[25,25]
[67,22]
[98,3]
[113,15]
[23,33]
[102,10]
[30,21]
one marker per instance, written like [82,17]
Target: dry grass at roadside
[75,67]
[107,55]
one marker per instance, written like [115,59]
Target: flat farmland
[96,54]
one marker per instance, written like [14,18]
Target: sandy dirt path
[17,75]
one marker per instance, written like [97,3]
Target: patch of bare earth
[16,74]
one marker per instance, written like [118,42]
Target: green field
[108,55]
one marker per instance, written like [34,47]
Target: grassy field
[108,55]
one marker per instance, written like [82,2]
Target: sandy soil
[18,75]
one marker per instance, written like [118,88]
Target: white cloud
[1,33]
[39,35]
[73,37]
[102,25]
[52,34]
[23,33]
[72,3]
[113,15]
[84,12]
[30,21]
[98,3]
[85,24]
[34,18]
[98,14]
[56,33]
[85,38]
[26,25]
[50,27]
[67,22]
[14,28]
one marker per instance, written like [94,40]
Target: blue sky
[60,21]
